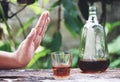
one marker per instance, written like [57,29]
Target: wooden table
[46,75]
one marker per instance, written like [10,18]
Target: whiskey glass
[61,64]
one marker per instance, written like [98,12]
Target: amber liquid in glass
[88,66]
[61,71]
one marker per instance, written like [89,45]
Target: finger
[37,42]
[41,21]
[39,37]
[45,28]
[28,41]
[31,36]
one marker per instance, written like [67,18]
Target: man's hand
[27,48]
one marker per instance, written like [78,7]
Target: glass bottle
[93,47]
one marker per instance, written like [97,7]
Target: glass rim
[59,53]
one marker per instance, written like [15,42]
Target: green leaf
[72,32]
[5,46]
[13,1]
[46,1]
[26,25]
[55,4]
[114,46]
[115,63]
[37,56]
[75,56]
[71,18]
[70,7]
[73,24]
[113,25]
[42,63]
[56,42]
[36,8]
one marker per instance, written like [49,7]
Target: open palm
[27,48]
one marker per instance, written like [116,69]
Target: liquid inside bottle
[93,47]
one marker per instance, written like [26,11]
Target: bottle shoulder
[93,25]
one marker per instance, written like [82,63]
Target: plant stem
[8,28]
[103,16]
[59,16]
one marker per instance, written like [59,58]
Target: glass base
[61,77]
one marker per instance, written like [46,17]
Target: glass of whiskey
[61,64]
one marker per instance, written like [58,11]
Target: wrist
[18,60]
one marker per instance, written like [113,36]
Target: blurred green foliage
[114,47]
[73,23]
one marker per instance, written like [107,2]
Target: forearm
[22,56]
[8,60]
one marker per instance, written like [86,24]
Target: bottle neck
[93,19]
[92,15]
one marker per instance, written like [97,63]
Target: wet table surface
[46,75]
